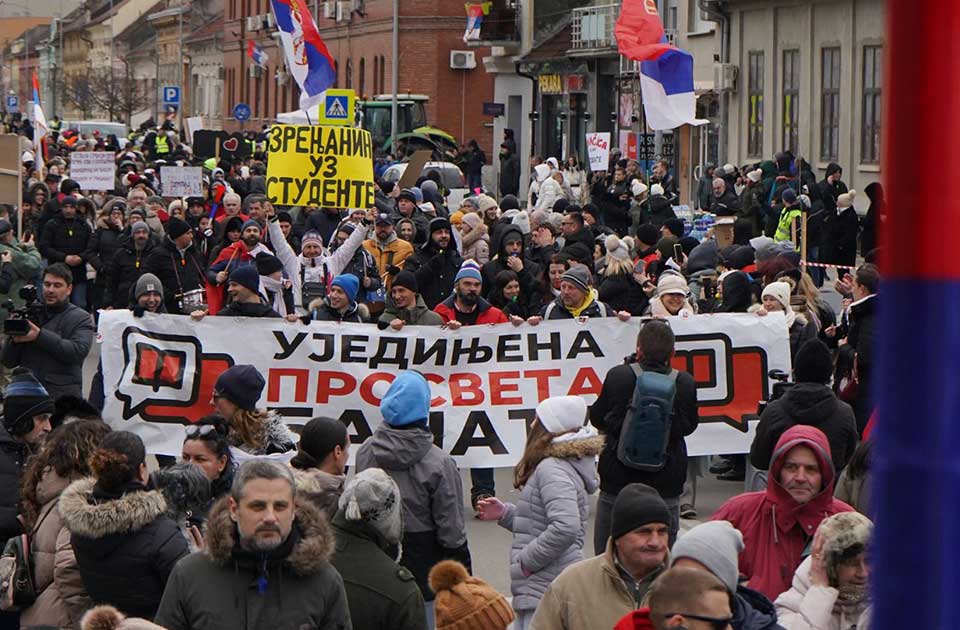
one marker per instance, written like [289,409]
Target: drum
[195,300]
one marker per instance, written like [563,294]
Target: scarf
[275,289]
[589,299]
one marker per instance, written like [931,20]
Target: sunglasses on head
[202,430]
[717,623]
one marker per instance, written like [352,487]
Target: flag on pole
[666,72]
[307,56]
[39,125]
[475,13]
[257,54]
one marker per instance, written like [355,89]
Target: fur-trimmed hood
[309,555]
[320,488]
[357,307]
[576,448]
[475,234]
[277,437]
[131,512]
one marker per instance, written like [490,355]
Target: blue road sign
[241,112]
[336,107]
[171,95]
[13,104]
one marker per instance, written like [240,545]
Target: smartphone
[677,252]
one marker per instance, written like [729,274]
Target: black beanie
[813,363]
[510,202]
[406,279]
[675,226]
[317,440]
[648,234]
[23,399]
[267,264]
[241,385]
[177,227]
[637,505]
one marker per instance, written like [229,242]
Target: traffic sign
[494,109]
[241,112]
[13,104]
[338,107]
[171,95]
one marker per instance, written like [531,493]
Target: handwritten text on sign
[331,167]
[598,150]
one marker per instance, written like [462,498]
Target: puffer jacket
[432,493]
[393,253]
[809,607]
[752,611]
[320,488]
[476,244]
[61,597]
[125,547]
[419,315]
[549,522]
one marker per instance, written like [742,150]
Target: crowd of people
[259,527]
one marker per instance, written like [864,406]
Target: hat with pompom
[109,618]
[465,602]
[616,248]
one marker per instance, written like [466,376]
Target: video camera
[780,388]
[18,320]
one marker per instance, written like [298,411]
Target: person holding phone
[19,265]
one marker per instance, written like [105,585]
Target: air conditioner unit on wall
[269,21]
[463,60]
[253,23]
[330,10]
[725,77]
[343,11]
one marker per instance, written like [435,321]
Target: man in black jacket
[436,263]
[862,337]
[127,265]
[178,265]
[54,350]
[810,401]
[509,171]
[244,290]
[724,202]
[511,256]
[65,239]
[577,238]
[655,347]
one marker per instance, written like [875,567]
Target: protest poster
[159,372]
[598,150]
[93,170]
[181,181]
[330,167]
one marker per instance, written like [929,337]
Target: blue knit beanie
[349,283]
[407,401]
[469,269]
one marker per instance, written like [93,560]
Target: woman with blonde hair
[555,475]
[254,432]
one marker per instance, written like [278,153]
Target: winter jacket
[550,191]
[382,594]
[105,242]
[13,457]
[615,207]
[216,589]
[622,293]
[549,521]
[509,175]
[320,488]
[122,270]
[589,595]
[840,238]
[178,274]
[321,311]
[56,356]
[363,265]
[247,309]
[419,315]
[435,270]
[489,314]
[658,211]
[776,529]
[810,404]
[862,337]
[25,266]
[809,607]
[63,237]
[529,276]
[388,255]
[432,493]
[726,205]
[608,414]
[276,439]
[595,308]
[420,221]
[579,245]
[324,268]
[61,597]
[475,244]
[125,546]
[855,492]
[752,611]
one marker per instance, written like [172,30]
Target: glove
[393,270]
[138,311]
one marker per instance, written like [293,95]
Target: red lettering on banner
[325,388]
[498,388]
[585,382]
[275,375]
[366,387]
[466,384]
[436,379]
[543,381]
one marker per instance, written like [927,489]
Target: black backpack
[646,427]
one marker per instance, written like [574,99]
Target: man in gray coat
[55,348]
[265,564]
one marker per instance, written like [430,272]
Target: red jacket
[635,620]
[775,528]
[489,314]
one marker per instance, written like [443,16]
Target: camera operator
[21,268]
[57,343]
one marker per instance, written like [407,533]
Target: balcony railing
[593,27]
[501,26]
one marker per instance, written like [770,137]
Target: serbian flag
[256,53]
[666,72]
[475,13]
[914,472]
[39,125]
[235,254]
[307,56]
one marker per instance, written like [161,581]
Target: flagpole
[395,76]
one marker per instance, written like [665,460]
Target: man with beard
[389,251]
[178,265]
[243,287]
[436,263]
[127,265]
[243,252]
[264,549]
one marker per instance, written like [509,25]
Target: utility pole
[395,76]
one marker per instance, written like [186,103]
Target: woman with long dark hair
[206,444]
[319,467]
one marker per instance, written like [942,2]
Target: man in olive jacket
[368,527]
[265,563]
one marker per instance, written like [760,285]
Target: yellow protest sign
[330,167]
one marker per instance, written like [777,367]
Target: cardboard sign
[415,166]
[330,167]
[232,146]
[181,181]
[94,170]
[10,191]
[598,150]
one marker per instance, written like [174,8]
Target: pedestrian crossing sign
[337,107]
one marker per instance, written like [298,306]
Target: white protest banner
[181,181]
[159,372]
[598,150]
[93,170]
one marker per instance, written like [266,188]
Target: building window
[376,74]
[755,94]
[362,81]
[791,100]
[830,104]
[697,21]
[870,127]
[349,73]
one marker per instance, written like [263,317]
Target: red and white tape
[825,265]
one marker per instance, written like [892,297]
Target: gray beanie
[139,225]
[147,283]
[373,497]
[717,546]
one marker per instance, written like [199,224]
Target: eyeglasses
[718,623]
[202,430]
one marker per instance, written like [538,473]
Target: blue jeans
[483,483]
[816,273]
[78,297]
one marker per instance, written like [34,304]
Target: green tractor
[414,133]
